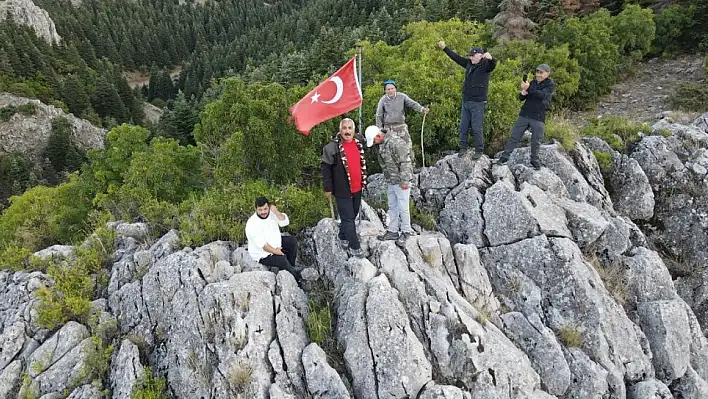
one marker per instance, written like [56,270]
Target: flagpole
[359,48]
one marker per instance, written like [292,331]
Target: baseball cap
[390,82]
[544,68]
[370,133]
[476,50]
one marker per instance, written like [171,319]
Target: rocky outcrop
[539,285]
[25,12]
[29,134]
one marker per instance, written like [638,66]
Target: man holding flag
[343,165]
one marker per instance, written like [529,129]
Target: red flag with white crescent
[337,95]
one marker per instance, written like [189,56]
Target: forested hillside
[225,138]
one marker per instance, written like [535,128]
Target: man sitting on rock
[395,160]
[265,243]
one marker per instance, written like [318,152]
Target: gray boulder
[126,370]
[322,380]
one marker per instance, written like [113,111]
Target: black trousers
[286,262]
[348,208]
[537,130]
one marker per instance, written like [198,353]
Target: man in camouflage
[394,156]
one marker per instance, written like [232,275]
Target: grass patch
[239,376]
[150,387]
[614,278]
[664,132]
[690,96]
[616,131]
[75,282]
[7,112]
[426,220]
[28,109]
[604,161]
[571,337]
[321,322]
[563,131]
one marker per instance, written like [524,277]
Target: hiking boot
[536,165]
[500,161]
[359,253]
[463,151]
[477,155]
[389,236]
[344,244]
[401,241]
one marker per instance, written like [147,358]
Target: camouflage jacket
[395,159]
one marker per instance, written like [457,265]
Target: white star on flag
[315,97]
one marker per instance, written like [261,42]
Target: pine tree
[511,22]
[106,101]
[74,95]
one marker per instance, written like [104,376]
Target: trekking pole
[422,147]
[331,208]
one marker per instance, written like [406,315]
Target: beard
[263,217]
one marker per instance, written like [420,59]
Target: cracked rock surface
[538,284]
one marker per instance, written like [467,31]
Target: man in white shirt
[265,244]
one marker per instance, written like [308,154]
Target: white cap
[370,133]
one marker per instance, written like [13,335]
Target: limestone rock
[25,12]
[29,135]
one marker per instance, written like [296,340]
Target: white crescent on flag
[340,89]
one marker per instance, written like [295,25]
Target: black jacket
[537,100]
[334,176]
[476,85]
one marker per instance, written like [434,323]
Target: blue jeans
[471,117]
[399,213]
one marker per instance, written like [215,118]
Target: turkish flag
[339,94]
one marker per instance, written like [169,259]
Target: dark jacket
[538,99]
[334,175]
[476,85]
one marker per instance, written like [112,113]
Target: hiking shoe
[359,253]
[344,244]
[401,241]
[536,165]
[390,235]
[463,151]
[477,155]
[500,161]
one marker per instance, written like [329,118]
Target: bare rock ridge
[25,12]
[29,134]
[539,284]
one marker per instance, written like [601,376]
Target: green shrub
[20,259]
[617,131]
[28,109]
[673,27]
[45,216]
[75,280]
[592,43]
[150,387]
[690,96]
[7,112]
[633,30]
